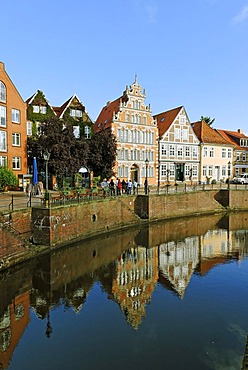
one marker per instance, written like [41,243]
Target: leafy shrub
[7,178]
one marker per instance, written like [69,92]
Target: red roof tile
[207,134]
[105,117]
[233,137]
[165,119]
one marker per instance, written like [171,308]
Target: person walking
[135,187]
[112,187]
[118,187]
[129,187]
[124,186]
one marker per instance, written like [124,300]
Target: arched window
[2,92]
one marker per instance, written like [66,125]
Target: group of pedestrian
[118,187]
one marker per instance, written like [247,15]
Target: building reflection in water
[136,279]
[12,325]
[128,265]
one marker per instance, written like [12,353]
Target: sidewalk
[16,200]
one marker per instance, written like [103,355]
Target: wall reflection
[128,265]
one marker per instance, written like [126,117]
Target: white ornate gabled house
[178,147]
[131,122]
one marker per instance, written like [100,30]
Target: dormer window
[243,142]
[2,92]
[76,113]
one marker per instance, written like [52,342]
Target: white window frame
[87,132]
[179,151]
[15,115]
[43,109]
[29,128]
[16,139]
[163,149]
[172,150]
[3,141]
[187,151]
[76,113]
[16,163]
[182,120]
[2,92]
[3,115]
[3,161]
[76,132]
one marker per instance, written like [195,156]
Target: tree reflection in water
[131,268]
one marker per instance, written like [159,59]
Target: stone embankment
[26,232]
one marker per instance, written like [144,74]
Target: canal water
[172,295]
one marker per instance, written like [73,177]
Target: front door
[179,175]
[134,173]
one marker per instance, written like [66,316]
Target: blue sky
[184,52]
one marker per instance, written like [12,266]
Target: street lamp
[46,156]
[229,173]
[146,180]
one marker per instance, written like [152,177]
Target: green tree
[67,154]
[208,120]
[7,178]
[102,148]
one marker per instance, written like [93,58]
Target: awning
[83,170]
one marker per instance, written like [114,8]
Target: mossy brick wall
[59,225]
[183,204]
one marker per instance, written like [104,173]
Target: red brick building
[13,132]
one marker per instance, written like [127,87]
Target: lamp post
[229,173]
[46,156]
[146,180]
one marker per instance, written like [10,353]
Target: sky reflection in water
[169,296]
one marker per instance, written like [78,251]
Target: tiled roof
[60,110]
[207,134]
[233,137]
[31,98]
[105,118]
[165,119]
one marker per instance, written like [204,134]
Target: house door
[134,173]
[217,173]
[179,175]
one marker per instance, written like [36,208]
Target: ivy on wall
[39,100]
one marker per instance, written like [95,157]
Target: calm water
[170,296]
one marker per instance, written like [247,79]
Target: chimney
[240,131]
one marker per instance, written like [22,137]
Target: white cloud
[148,8]
[243,15]
[151,12]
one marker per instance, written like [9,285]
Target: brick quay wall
[56,226]
[60,225]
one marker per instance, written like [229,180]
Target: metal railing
[53,199]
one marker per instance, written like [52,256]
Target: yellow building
[131,122]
